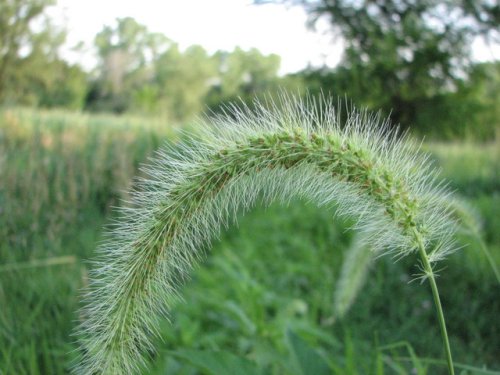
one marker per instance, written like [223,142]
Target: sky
[216,25]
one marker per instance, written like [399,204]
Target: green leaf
[218,362]
[307,359]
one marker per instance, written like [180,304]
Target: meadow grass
[60,173]
[58,182]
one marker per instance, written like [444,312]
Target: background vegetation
[62,172]
[71,142]
[408,58]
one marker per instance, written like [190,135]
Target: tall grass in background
[61,172]
[473,171]
[55,165]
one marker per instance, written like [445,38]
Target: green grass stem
[437,301]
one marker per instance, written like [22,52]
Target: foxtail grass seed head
[275,152]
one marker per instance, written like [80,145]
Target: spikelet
[275,152]
[353,274]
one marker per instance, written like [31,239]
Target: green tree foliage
[183,80]
[16,33]
[471,110]
[124,52]
[146,72]
[403,55]
[243,75]
[31,72]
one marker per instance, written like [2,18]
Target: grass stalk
[37,263]
[429,273]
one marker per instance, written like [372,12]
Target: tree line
[407,58]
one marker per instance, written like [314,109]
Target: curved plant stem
[437,301]
[490,259]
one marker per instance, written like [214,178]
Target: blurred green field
[265,293]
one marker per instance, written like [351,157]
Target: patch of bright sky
[216,25]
